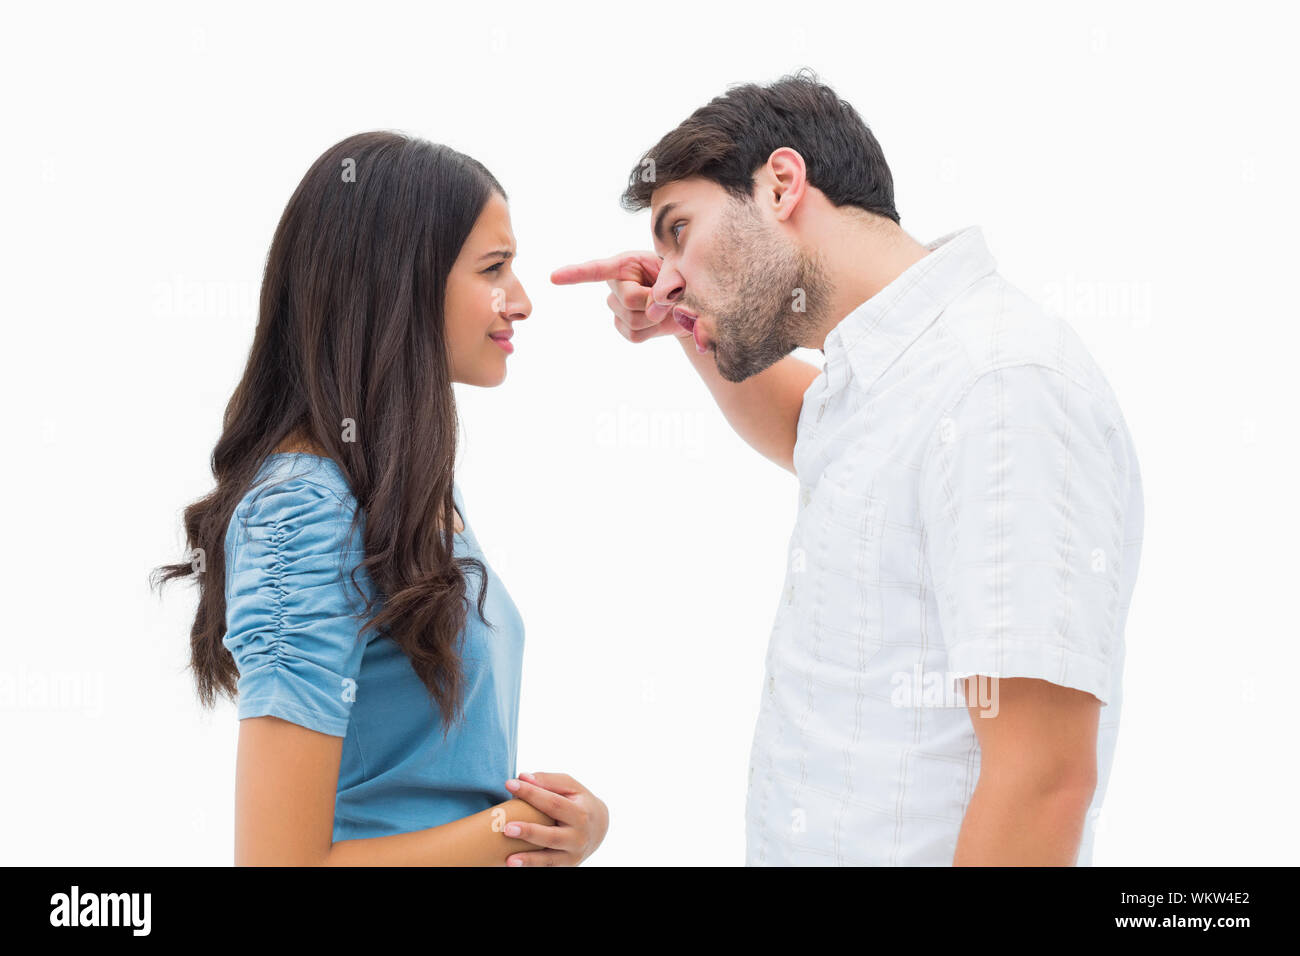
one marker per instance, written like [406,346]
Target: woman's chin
[489,372]
[490,376]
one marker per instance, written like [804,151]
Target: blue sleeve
[291,609]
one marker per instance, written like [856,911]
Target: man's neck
[859,258]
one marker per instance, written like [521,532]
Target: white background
[1133,167]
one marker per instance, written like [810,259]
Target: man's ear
[783,182]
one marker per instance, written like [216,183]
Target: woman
[343,595]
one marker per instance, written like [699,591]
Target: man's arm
[1019,498]
[763,409]
[1038,772]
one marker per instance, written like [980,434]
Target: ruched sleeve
[291,610]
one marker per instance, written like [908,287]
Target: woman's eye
[494,268]
[676,234]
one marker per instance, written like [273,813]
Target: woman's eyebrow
[503,253]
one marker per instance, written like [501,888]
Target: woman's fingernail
[515,861]
[512,830]
[527,776]
[512,785]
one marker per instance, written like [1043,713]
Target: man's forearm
[763,409]
[1012,824]
[475,840]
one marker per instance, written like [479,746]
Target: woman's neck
[297,443]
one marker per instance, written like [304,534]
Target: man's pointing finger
[640,267]
[596,270]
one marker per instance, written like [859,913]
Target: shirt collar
[871,337]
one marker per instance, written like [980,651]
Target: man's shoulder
[995,326]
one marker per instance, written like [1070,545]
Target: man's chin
[736,373]
[749,365]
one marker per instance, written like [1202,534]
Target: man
[944,672]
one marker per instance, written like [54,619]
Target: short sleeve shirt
[294,623]
[969,503]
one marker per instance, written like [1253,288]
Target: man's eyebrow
[659,221]
[503,253]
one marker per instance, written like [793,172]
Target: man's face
[734,277]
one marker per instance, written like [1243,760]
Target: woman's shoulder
[295,590]
[299,475]
[295,502]
[307,494]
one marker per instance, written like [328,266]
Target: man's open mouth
[687,320]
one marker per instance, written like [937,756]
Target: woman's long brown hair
[350,327]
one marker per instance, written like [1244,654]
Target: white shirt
[970,503]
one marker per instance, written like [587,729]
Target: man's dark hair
[734,134]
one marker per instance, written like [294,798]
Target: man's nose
[664,294]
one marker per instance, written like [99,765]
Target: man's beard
[780,294]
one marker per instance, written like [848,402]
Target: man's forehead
[676,191]
[696,190]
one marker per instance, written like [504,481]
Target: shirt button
[771,685]
[805,497]
[789,594]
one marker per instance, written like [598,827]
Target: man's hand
[581,820]
[631,277]
[764,409]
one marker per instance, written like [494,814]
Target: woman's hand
[581,820]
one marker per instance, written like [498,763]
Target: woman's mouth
[503,339]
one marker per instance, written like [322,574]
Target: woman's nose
[520,306]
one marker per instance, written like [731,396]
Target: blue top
[291,626]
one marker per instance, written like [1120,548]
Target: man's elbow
[1069,802]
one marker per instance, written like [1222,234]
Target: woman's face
[484,299]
